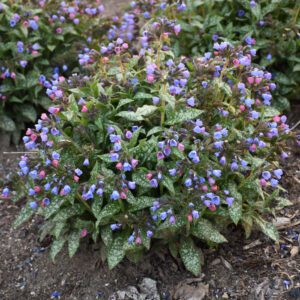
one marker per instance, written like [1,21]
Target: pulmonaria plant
[156,148]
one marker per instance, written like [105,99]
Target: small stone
[225,296]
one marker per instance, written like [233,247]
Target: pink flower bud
[276,119]
[37,189]
[138,240]
[123,195]
[55,162]
[84,233]
[44,117]
[236,62]
[119,166]
[76,178]
[150,78]
[257,102]
[258,80]
[190,218]
[214,188]
[149,176]
[58,30]
[253,147]
[180,147]
[250,80]
[36,18]
[33,137]
[242,107]
[28,131]
[212,207]
[125,46]
[84,109]
[263,182]
[204,188]
[42,174]
[62,78]
[25,24]
[105,60]
[34,52]
[13,75]
[134,163]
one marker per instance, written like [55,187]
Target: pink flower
[180,147]
[190,218]
[138,240]
[177,29]
[84,109]
[250,80]
[134,163]
[84,233]
[258,80]
[119,166]
[58,30]
[44,117]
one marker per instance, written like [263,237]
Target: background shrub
[271,26]
[38,41]
[155,148]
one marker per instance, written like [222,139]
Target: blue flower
[115,195]
[188,182]
[33,205]
[217,173]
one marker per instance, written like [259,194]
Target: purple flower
[274,182]
[172,172]
[149,233]
[229,200]
[278,173]
[204,84]
[154,183]
[266,175]
[195,214]
[55,294]
[5,192]
[131,185]
[86,162]
[163,215]
[217,173]
[191,101]
[23,63]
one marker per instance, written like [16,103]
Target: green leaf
[23,216]
[123,102]
[67,213]
[142,95]
[28,112]
[270,112]
[140,179]
[106,235]
[283,202]
[73,242]
[108,211]
[166,97]
[236,209]
[247,223]
[190,256]
[59,226]
[205,230]
[154,130]
[97,207]
[130,115]
[116,252]
[146,110]
[267,228]
[56,247]
[168,183]
[184,114]
[141,203]
[7,124]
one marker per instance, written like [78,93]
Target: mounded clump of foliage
[37,41]
[272,27]
[154,148]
